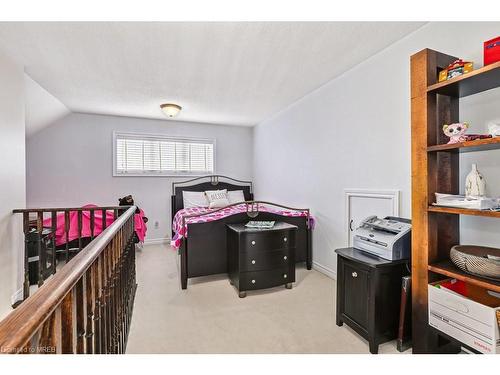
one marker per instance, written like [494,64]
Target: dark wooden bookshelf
[447,268]
[436,169]
[479,80]
[463,211]
[469,146]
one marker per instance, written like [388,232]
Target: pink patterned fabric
[140,226]
[181,232]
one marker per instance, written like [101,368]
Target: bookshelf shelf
[447,268]
[470,146]
[463,211]
[479,80]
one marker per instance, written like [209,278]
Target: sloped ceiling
[42,108]
[222,73]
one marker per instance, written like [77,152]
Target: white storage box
[468,321]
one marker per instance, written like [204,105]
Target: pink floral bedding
[212,215]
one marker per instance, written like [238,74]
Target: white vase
[475,185]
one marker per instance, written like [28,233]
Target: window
[153,155]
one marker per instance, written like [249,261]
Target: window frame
[117,134]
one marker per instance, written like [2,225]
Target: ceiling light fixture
[170,109]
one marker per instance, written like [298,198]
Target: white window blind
[137,154]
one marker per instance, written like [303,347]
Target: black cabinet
[261,258]
[369,295]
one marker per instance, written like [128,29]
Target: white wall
[12,179]
[354,132]
[70,163]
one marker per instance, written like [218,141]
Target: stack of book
[260,224]
[461,201]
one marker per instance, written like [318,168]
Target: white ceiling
[223,73]
[42,108]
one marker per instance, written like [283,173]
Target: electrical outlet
[157,224]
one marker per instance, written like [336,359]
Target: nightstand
[261,258]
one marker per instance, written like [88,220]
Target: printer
[388,238]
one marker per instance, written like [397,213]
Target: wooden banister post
[92,224]
[80,224]
[80,316]
[90,311]
[66,232]
[41,256]
[68,323]
[53,242]
[26,229]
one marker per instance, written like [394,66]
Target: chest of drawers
[261,258]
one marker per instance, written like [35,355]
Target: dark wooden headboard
[204,183]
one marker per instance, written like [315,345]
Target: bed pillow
[217,198]
[194,199]
[235,196]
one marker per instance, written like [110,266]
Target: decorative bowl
[477,260]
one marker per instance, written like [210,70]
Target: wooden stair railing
[43,237]
[87,306]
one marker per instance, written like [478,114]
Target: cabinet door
[356,295]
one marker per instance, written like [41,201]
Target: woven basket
[473,260]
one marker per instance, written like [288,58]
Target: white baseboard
[157,241]
[325,270]
[17,296]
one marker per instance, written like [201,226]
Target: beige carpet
[209,317]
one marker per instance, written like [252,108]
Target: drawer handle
[354,274]
[253,281]
[285,276]
[253,243]
[253,261]
[285,257]
[285,239]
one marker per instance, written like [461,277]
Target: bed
[87,224]
[200,235]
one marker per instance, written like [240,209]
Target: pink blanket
[73,233]
[181,231]
[140,226]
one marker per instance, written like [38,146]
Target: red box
[492,51]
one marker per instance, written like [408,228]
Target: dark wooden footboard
[204,252]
